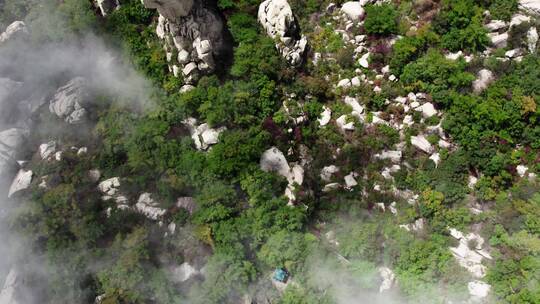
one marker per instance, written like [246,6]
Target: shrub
[503,9]
[460,24]
[381,19]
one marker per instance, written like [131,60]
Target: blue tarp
[280,274]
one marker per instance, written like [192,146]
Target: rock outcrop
[148,207]
[184,272]
[70,100]
[193,35]
[110,189]
[530,6]
[10,142]
[354,10]
[8,295]
[202,134]
[15,30]
[22,181]
[273,160]
[388,277]
[279,22]
[484,78]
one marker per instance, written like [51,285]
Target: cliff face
[193,34]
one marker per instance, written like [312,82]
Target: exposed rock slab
[15,30]
[353,10]
[69,101]
[194,32]
[278,20]
[203,136]
[22,181]
[483,78]
[148,207]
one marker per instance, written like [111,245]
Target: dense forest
[367,152]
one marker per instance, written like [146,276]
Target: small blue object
[280,275]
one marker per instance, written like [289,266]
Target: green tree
[381,19]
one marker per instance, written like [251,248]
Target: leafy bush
[381,19]
[434,73]
[411,47]
[460,25]
[503,9]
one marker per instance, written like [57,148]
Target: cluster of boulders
[470,253]
[203,136]
[328,174]
[279,22]
[70,101]
[146,204]
[193,35]
[499,33]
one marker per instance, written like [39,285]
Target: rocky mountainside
[180,151]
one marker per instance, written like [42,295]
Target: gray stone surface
[69,101]
[278,20]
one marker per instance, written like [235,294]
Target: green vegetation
[243,227]
[381,19]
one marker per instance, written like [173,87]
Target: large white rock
[109,186]
[278,20]
[343,124]
[184,272]
[532,39]
[273,160]
[394,156]
[495,25]
[148,207]
[69,101]
[518,19]
[388,278]
[364,60]
[353,103]
[328,171]
[531,6]
[344,83]
[422,143]
[326,115]
[15,30]
[483,78]
[203,136]
[350,180]
[478,289]
[521,170]
[436,158]
[353,10]
[194,30]
[499,40]
[22,181]
[11,140]
[468,256]
[47,150]
[8,295]
[427,110]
